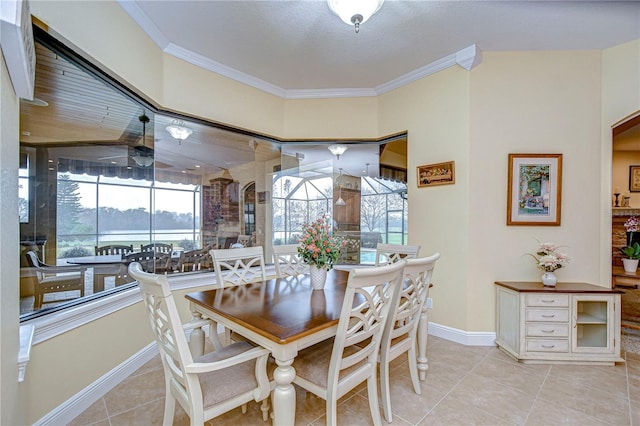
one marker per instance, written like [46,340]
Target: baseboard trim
[78,403]
[467,338]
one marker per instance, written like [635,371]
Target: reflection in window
[83,185]
[23,189]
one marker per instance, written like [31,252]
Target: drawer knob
[549,301]
[548,316]
[548,346]
[548,331]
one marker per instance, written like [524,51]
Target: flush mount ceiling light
[179,131]
[337,149]
[354,12]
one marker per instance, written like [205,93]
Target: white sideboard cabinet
[568,323]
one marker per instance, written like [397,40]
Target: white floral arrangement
[549,258]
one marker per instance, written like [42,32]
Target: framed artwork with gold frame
[534,191]
[437,174]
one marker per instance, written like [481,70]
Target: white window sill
[26,340]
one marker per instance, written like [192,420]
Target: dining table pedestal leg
[423,330]
[284,394]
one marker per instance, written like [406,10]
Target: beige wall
[512,102]
[533,102]
[12,405]
[435,113]
[330,118]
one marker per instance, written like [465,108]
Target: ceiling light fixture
[354,12]
[337,149]
[340,201]
[141,160]
[143,156]
[179,131]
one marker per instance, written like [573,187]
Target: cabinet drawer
[548,315]
[547,345]
[560,300]
[548,330]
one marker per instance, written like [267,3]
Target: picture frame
[436,174]
[534,189]
[634,178]
[263,197]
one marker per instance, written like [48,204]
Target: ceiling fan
[142,155]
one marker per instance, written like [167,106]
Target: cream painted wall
[12,401]
[331,118]
[62,366]
[208,95]
[435,112]
[533,102]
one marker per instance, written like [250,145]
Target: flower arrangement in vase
[631,250]
[549,259]
[319,249]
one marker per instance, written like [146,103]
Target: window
[99,168]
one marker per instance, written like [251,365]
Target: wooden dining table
[283,315]
[286,315]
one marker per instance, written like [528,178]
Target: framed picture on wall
[437,174]
[634,178]
[534,191]
[263,197]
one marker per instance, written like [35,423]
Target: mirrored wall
[106,179]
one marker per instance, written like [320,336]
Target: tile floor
[465,386]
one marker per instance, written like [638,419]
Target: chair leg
[385,390]
[169,408]
[265,409]
[332,411]
[372,389]
[413,370]
[244,408]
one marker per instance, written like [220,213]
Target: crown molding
[143,21]
[467,58]
[224,70]
[329,93]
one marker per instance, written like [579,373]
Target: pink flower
[631,225]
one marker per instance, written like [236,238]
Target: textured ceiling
[302,45]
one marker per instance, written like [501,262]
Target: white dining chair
[239,266]
[287,261]
[334,367]
[206,386]
[390,253]
[400,333]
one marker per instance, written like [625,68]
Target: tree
[373,211]
[69,207]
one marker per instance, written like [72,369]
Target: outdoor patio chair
[157,247]
[113,249]
[55,279]
[193,260]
